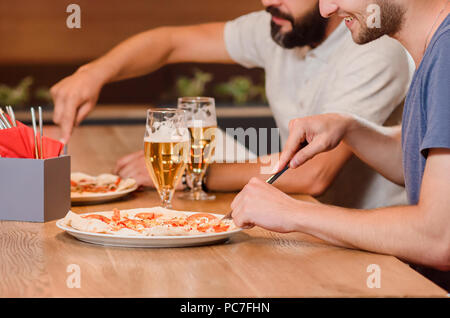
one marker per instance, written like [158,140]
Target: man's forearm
[147,51]
[229,177]
[379,147]
[312,178]
[402,231]
[138,55]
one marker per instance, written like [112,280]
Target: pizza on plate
[81,183]
[148,222]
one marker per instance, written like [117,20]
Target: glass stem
[166,198]
[197,185]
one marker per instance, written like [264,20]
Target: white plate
[87,197]
[148,241]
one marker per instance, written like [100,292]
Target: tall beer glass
[166,148]
[202,124]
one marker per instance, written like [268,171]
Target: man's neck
[418,26]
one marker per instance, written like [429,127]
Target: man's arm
[75,96]
[313,178]
[378,146]
[150,50]
[419,233]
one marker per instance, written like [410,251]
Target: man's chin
[362,39]
[357,39]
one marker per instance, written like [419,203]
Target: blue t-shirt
[426,116]
[426,122]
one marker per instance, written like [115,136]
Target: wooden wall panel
[34,31]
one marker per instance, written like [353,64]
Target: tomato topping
[132,224]
[73,183]
[177,222]
[97,217]
[116,216]
[203,227]
[220,228]
[201,218]
[146,215]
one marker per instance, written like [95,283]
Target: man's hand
[74,97]
[322,132]
[265,206]
[133,166]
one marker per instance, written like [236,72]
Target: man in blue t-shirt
[416,155]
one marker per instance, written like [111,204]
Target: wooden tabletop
[37,260]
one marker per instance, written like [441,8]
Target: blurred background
[38,50]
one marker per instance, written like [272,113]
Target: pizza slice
[104,183]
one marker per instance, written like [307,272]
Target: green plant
[18,95]
[241,89]
[193,86]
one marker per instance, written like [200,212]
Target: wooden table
[35,258]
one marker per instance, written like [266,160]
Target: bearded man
[312,66]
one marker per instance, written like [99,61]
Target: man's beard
[392,17]
[307,30]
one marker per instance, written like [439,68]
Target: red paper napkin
[18,142]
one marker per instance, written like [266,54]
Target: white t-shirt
[369,80]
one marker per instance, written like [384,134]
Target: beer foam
[163,133]
[201,117]
[201,124]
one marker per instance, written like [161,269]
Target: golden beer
[201,121]
[165,162]
[202,148]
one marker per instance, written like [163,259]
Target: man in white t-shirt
[306,60]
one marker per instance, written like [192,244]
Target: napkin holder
[34,190]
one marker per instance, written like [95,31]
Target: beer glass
[202,124]
[166,148]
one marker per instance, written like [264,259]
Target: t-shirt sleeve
[372,83]
[437,98]
[248,40]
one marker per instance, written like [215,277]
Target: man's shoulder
[435,64]
[433,75]
[440,47]
[442,37]
[248,39]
